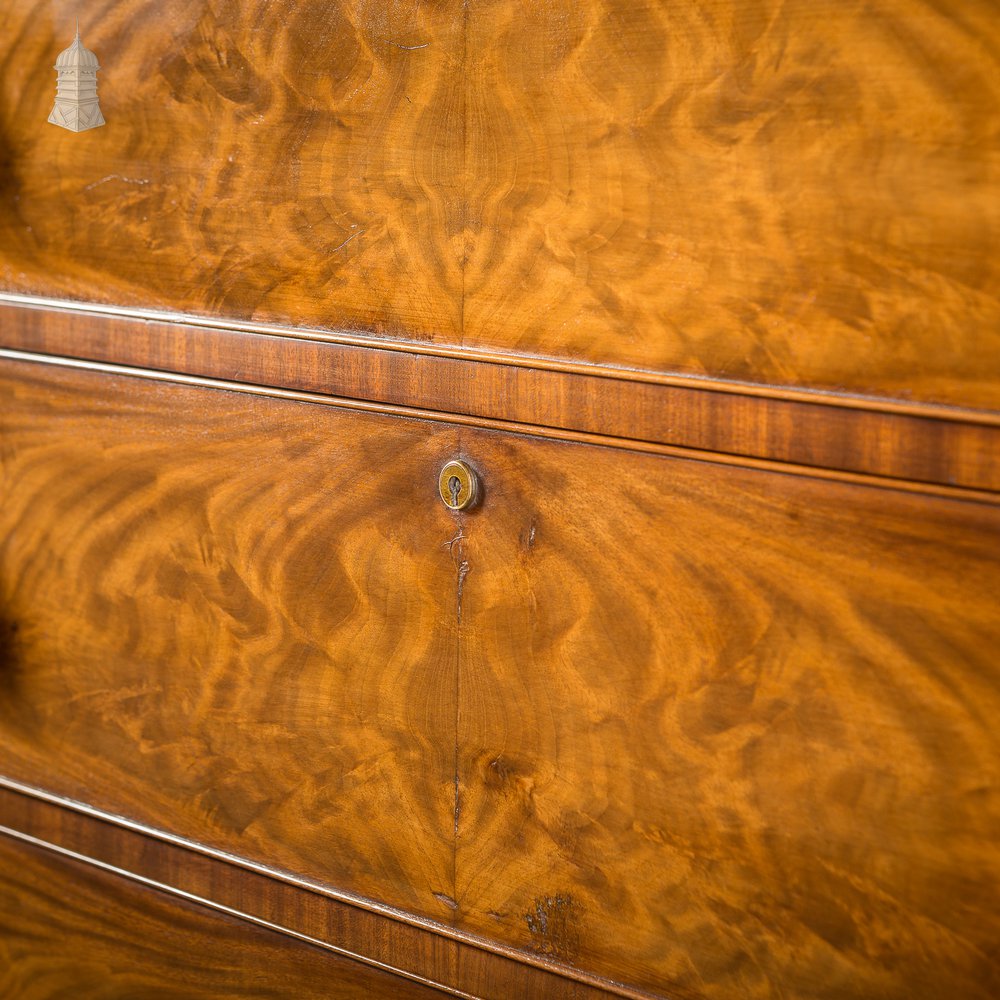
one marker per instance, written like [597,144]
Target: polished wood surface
[944,447]
[793,193]
[730,731]
[784,191]
[258,159]
[699,701]
[392,940]
[68,930]
[709,731]
[262,663]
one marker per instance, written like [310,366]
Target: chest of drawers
[697,699]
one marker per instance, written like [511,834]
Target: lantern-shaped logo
[76,106]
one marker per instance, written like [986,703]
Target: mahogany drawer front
[254,162]
[798,194]
[710,731]
[729,730]
[229,618]
[67,929]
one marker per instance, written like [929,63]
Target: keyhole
[457,486]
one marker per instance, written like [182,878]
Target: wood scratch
[117,177]
[353,236]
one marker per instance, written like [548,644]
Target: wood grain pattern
[787,191]
[457,963]
[729,731]
[259,159]
[68,930]
[798,192]
[704,730]
[922,444]
[263,662]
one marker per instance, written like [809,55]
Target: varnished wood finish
[70,931]
[392,940]
[705,730]
[944,446]
[728,730]
[786,191]
[258,159]
[534,430]
[795,193]
[700,697]
[263,664]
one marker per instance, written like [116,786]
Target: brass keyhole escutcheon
[458,486]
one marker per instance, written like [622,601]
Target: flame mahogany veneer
[649,718]
[699,702]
